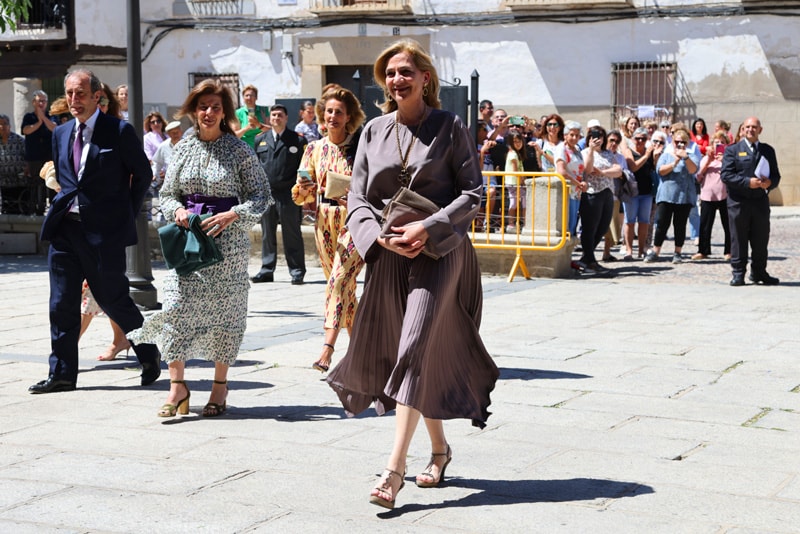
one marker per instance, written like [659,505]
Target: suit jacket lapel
[65,150]
[94,150]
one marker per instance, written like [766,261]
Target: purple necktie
[77,149]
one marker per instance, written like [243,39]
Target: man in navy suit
[104,175]
[748,202]
[280,151]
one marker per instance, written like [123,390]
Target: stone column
[23,94]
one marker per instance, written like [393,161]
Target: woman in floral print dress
[340,112]
[204,312]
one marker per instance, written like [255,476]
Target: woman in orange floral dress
[340,112]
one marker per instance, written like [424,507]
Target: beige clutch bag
[336,185]
[405,207]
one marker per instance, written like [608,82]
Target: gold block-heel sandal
[428,472]
[181,407]
[212,409]
[385,486]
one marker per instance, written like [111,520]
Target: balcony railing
[46,14]
[563,4]
[359,7]
[213,8]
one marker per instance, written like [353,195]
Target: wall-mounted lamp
[286,54]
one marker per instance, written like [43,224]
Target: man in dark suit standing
[748,202]
[280,151]
[104,175]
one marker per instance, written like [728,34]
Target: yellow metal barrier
[540,219]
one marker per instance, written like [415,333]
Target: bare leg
[119,344]
[644,228]
[440,451]
[177,391]
[628,235]
[86,320]
[406,421]
[325,357]
[219,390]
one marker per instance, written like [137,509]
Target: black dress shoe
[262,277]
[737,280]
[150,373]
[297,280]
[51,385]
[764,278]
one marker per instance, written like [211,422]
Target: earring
[425,90]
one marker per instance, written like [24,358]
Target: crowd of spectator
[630,185]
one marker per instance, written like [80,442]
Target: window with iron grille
[644,89]
[46,14]
[231,81]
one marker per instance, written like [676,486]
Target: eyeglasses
[155,121]
[613,140]
[657,142]
[665,126]
[537,126]
[552,124]
[680,143]
[640,139]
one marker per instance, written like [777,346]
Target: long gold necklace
[404,177]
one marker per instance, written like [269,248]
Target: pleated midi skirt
[416,339]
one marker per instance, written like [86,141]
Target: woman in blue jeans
[597,202]
[676,194]
[642,162]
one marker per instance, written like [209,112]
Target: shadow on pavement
[504,492]
[285,414]
[536,374]
[23,264]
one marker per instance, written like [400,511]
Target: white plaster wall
[7,102]
[534,64]
[165,72]
[101,23]
[155,9]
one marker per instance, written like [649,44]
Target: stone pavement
[659,400]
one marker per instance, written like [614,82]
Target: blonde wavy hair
[421,60]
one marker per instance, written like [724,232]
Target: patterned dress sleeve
[307,164]
[170,195]
[254,192]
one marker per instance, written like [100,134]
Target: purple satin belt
[199,204]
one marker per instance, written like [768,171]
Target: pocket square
[104,150]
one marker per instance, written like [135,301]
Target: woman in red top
[700,134]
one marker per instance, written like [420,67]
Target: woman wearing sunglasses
[676,194]
[154,126]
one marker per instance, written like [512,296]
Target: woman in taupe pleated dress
[415,344]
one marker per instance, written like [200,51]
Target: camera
[516,120]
